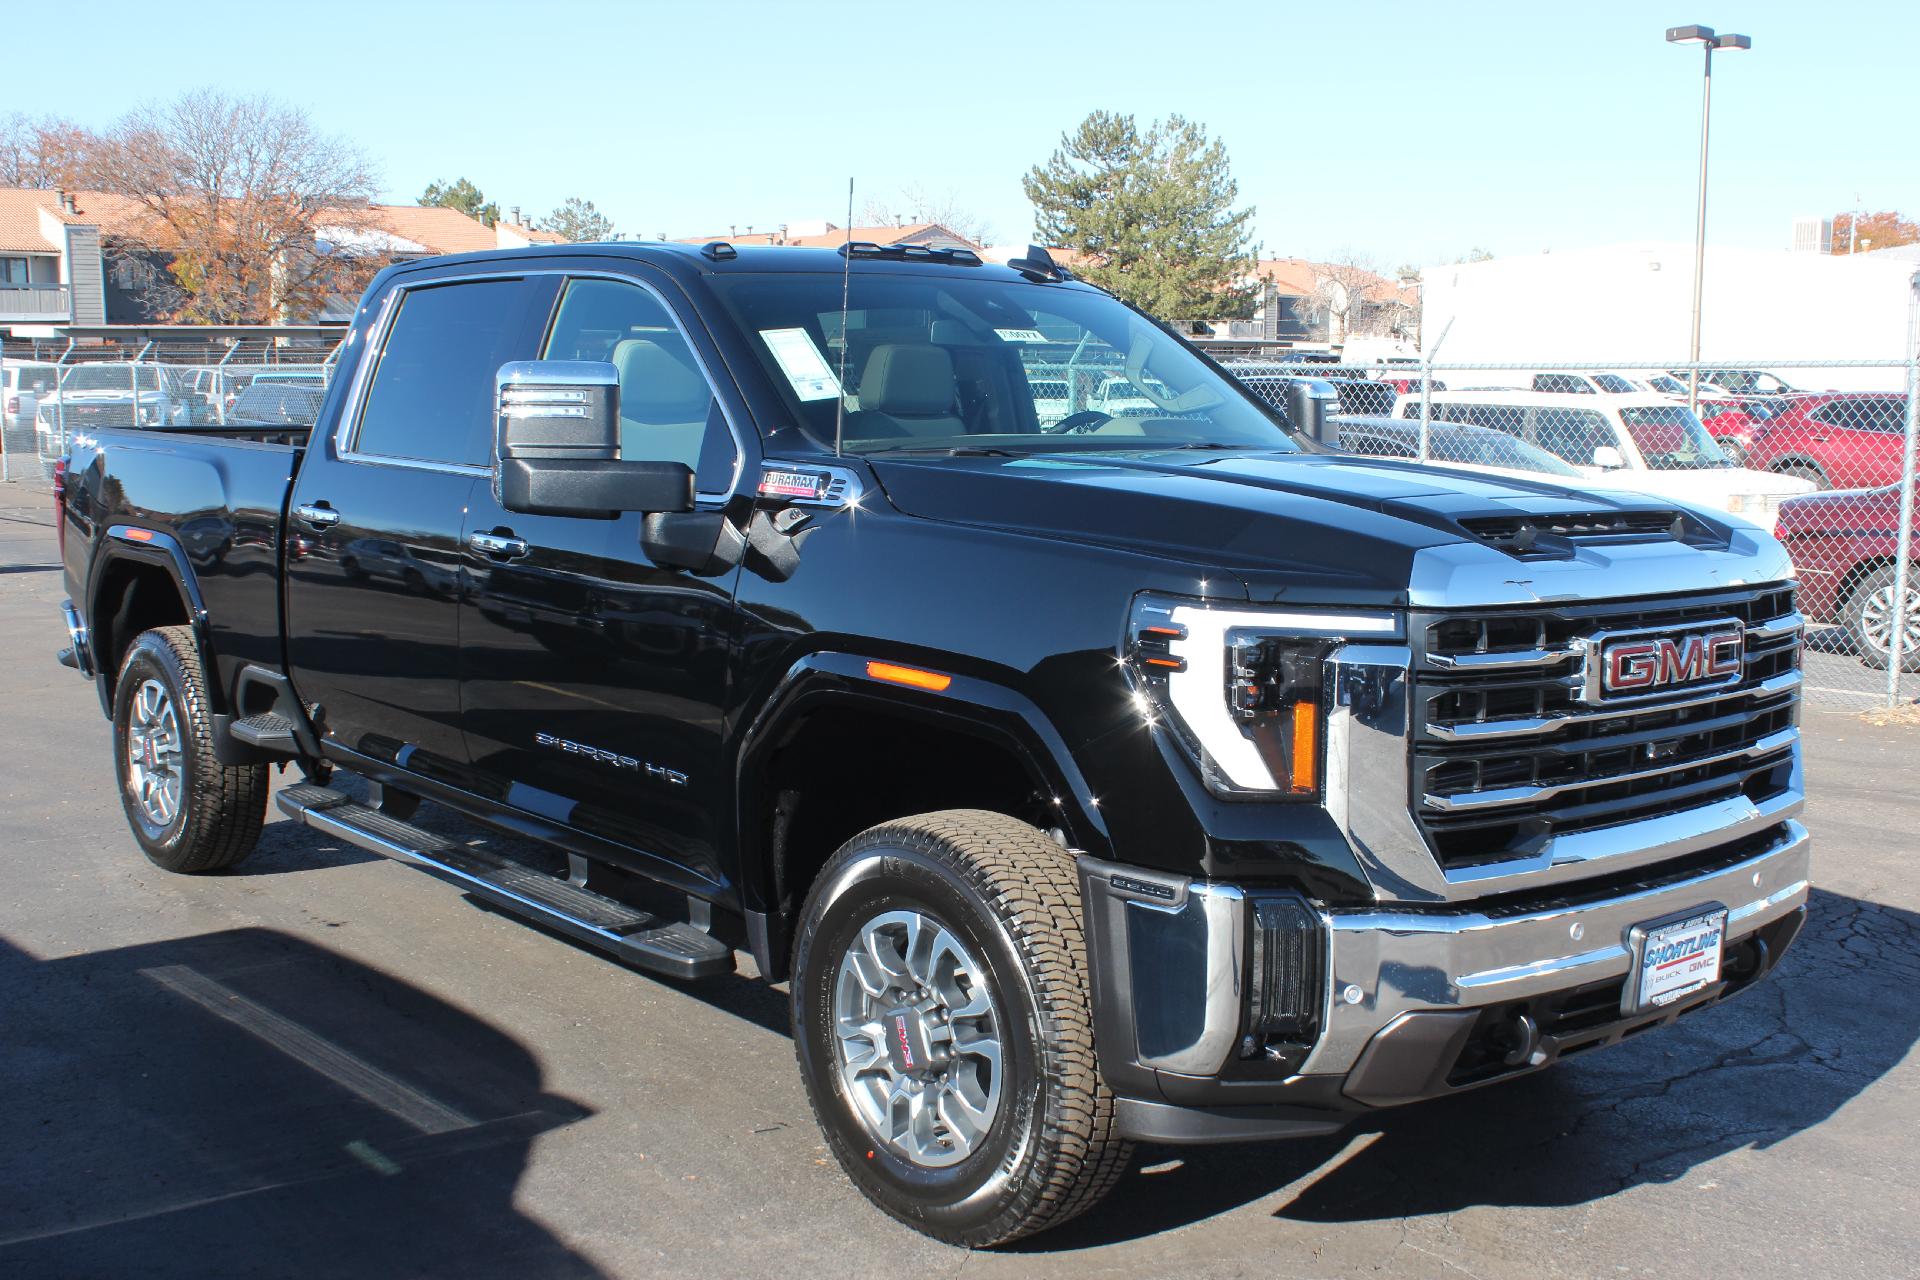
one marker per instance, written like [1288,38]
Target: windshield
[1613,382]
[952,362]
[1495,449]
[1671,438]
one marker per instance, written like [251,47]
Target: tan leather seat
[664,403]
[907,389]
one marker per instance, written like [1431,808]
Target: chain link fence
[49,390]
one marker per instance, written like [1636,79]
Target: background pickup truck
[1156,774]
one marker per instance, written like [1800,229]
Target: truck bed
[209,505]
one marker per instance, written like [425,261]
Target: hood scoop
[1554,537]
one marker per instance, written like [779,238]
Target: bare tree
[45,152]
[914,203]
[1355,299]
[235,193]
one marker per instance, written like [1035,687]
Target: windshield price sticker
[779,483]
[1679,959]
[1021,335]
[801,361]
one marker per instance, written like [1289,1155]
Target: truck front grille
[1506,754]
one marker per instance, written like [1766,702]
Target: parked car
[1844,546]
[1659,445]
[1734,421]
[1600,382]
[1735,382]
[22,383]
[1454,444]
[1165,779]
[1835,439]
[1052,399]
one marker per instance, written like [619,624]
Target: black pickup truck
[1144,772]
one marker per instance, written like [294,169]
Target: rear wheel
[944,1028]
[1870,618]
[189,812]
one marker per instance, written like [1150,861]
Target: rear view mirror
[558,432]
[1608,457]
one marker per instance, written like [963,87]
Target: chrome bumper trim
[1404,962]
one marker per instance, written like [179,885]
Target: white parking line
[427,1114]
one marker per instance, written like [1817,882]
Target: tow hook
[1520,1037]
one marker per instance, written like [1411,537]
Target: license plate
[1677,957]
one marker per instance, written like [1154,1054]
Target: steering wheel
[1079,424]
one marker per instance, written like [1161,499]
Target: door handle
[1820,439]
[317,515]
[502,546]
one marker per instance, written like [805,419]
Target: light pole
[1704,37]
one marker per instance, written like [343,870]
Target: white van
[1644,440]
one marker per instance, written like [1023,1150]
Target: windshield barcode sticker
[1021,335]
[802,362]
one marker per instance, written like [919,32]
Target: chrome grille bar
[1464,801]
[1534,726]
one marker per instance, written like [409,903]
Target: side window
[1887,415]
[667,409]
[1571,434]
[431,399]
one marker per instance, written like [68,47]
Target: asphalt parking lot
[328,1064]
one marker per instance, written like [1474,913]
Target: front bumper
[1417,1002]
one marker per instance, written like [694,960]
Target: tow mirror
[1309,406]
[558,436]
[1608,458]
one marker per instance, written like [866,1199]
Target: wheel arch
[140,579]
[836,750]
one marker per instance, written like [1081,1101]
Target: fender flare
[969,704]
[148,546]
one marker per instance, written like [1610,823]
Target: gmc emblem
[1641,664]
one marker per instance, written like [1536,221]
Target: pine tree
[1151,213]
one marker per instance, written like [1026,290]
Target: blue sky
[1404,132]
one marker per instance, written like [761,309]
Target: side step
[269,731]
[638,937]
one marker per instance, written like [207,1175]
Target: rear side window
[432,394]
[667,408]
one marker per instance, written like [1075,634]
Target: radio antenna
[846,282]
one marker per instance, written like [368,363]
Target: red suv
[1843,549]
[1838,440]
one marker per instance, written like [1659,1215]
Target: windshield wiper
[950,451]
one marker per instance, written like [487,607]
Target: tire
[1870,622]
[163,744]
[1734,451]
[1008,897]
[1806,471]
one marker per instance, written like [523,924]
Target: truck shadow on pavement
[245,1103]
[1760,1068]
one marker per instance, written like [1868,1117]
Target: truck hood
[1332,528]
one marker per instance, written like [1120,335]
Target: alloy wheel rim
[1876,620]
[155,758]
[918,1037]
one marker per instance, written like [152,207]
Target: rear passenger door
[593,681]
[373,557]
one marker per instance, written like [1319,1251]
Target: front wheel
[944,1028]
[1870,618]
[189,812]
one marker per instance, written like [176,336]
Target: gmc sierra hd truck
[1149,773]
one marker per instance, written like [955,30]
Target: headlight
[1243,689]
